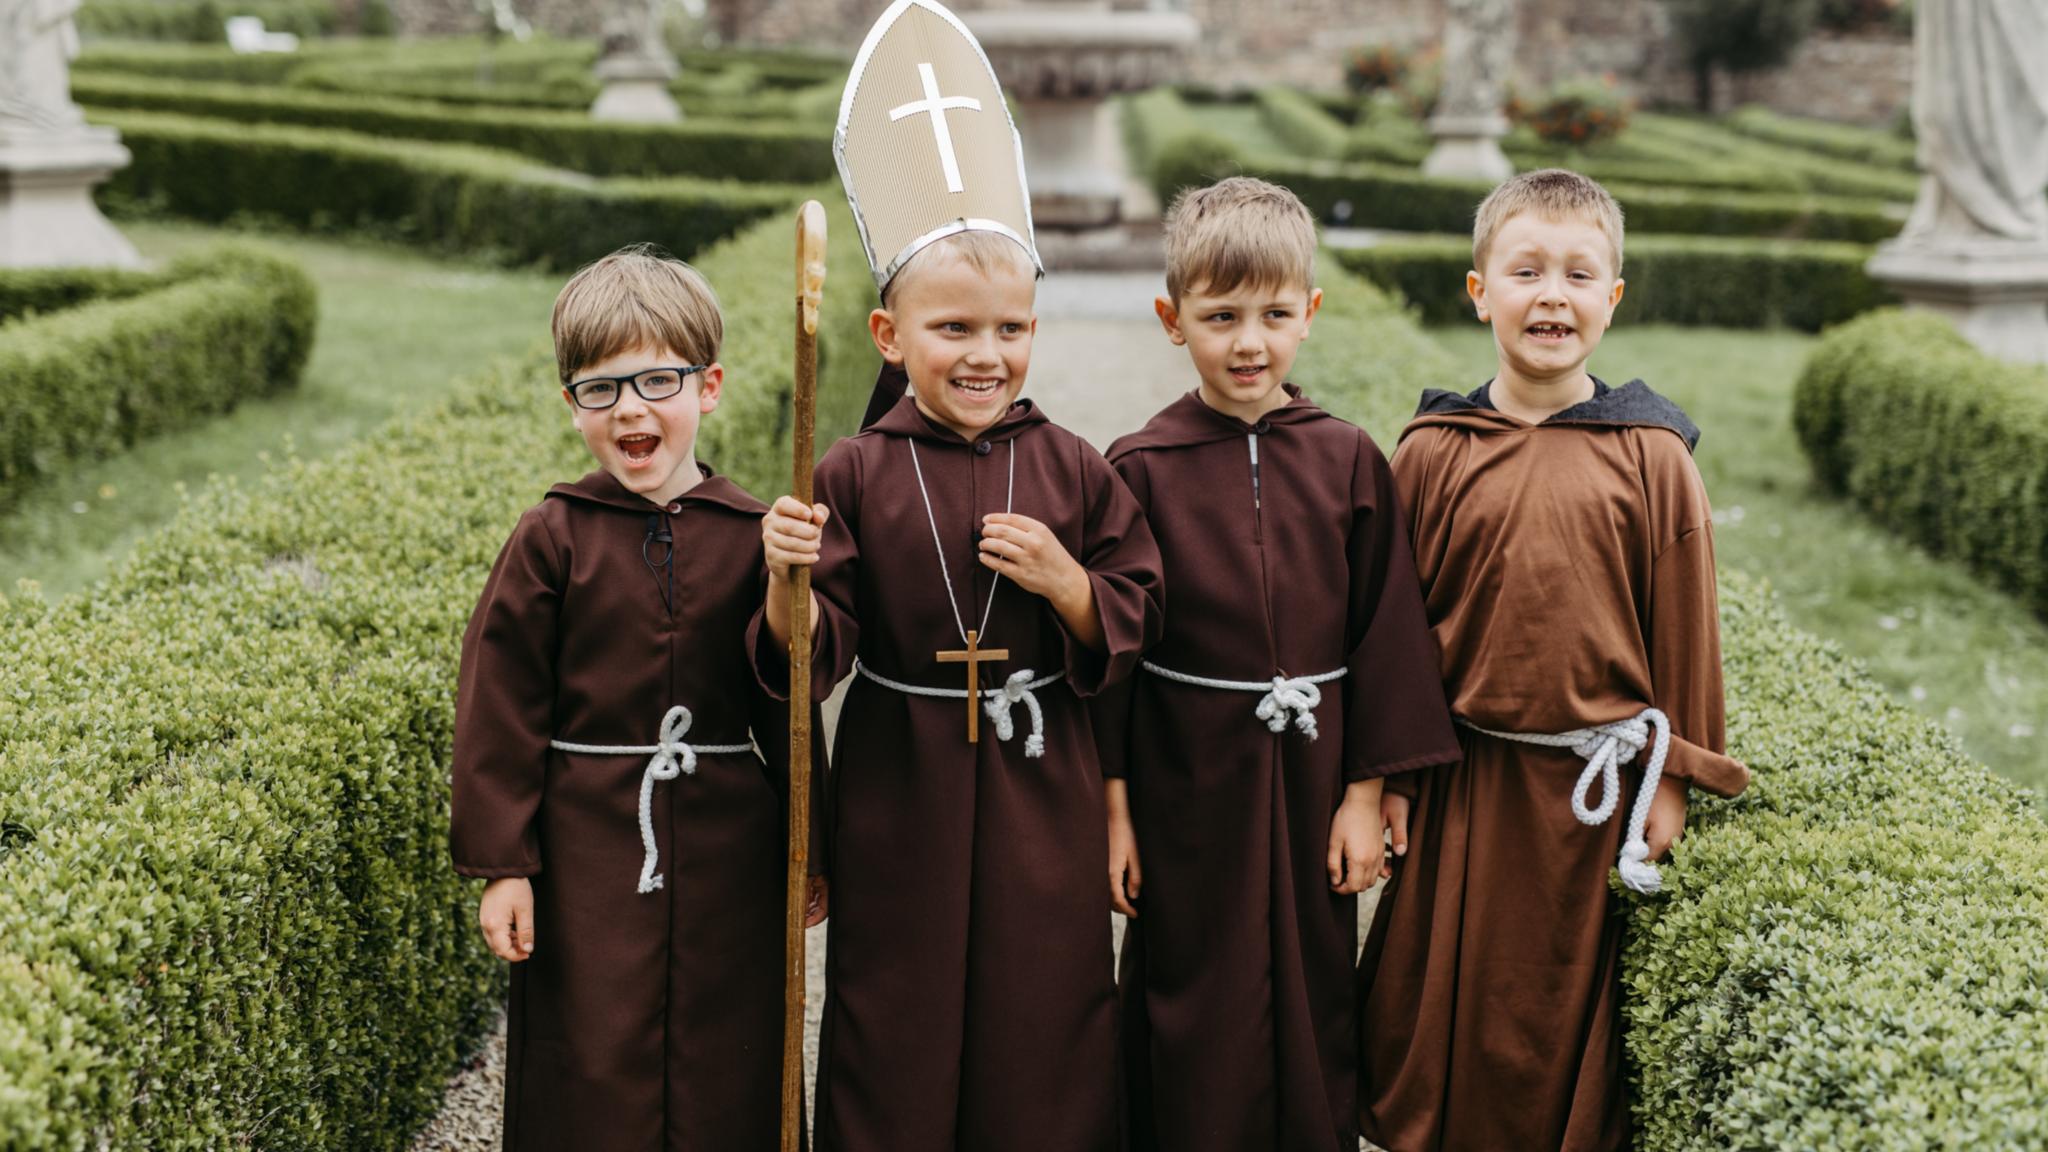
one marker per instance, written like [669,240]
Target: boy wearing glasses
[606,779]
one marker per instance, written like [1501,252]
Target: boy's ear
[1315,305]
[1169,318]
[711,388]
[882,326]
[1475,287]
[1614,299]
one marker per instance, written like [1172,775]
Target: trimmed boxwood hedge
[202,21]
[1943,444]
[227,914]
[1732,282]
[1842,141]
[93,362]
[753,151]
[1176,152]
[454,197]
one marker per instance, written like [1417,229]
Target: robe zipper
[1259,545]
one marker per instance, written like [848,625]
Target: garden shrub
[1375,68]
[453,197]
[1578,112]
[753,152]
[202,21]
[227,912]
[85,376]
[1821,173]
[1693,280]
[1842,141]
[1301,124]
[1941,443]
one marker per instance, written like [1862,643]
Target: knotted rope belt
[997,702]
[1284,696]
[1605,748]
[666,760]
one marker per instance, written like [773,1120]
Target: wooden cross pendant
[972,657]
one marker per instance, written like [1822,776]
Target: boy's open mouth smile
[639,447]
[1549,330]
[1246,373]
[978,387]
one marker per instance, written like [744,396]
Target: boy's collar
[602,488]
[1631,405]
[1188,422]
[905,418]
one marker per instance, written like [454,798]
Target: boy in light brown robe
[1295,674]
[1566,553]
[605,776]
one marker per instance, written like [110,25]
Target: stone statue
[37,43]
[635,65]
[1980,109]
[632,28]
[1479,48]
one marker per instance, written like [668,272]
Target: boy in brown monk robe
[1295,673]
[969,991]
[605,777]
[1567,562]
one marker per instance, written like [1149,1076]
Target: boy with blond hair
[1566,554]
[606,782]
[1295,674]
[970,997]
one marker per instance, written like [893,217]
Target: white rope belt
[668,759]
[1605,749]
[1284,695]
[997,702]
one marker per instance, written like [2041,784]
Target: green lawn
[395,331]
[1950,646]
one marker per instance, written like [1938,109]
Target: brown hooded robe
[969,989]
[1568,569]
[641,1022]
[1240,1025]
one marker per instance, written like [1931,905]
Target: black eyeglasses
[601,392]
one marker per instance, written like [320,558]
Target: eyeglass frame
[685,371]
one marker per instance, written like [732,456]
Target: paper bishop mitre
[925,143]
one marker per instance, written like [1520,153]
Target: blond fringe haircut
[639,296]
[986,252]
[1553,194]
[1238,231]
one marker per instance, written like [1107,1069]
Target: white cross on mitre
[935,106]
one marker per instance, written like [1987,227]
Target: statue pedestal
[1468,148]
[47,217]
[1995,291]
[636,89]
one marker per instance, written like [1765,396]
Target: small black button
[675,507]
[983,447]
[1262,427]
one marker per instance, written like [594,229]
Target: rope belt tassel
[997,702]
[668,759]
[1605,748]
[1284,696]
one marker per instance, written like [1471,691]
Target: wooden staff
[810,285]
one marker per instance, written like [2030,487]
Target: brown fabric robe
[1240,1025]
[1568,569]
[642,1022]
[969,985]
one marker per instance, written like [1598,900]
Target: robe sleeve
[1126,573]
[1395,717]
[1685,663]
[835,581]
[504,708]
[1410,467]
[1109,711]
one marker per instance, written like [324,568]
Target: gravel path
[1101,367]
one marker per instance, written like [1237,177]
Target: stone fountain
[1061,61]
[50,158]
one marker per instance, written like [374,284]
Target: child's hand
[1357,840]
[1394,814]
[1124,877]
[821,902]
[1029,556]
[506,915]
[791,535]
[1667,817]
